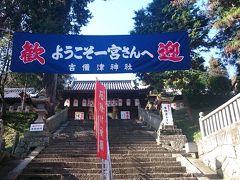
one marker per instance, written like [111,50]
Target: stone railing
[54,122]
[153,120]
[220,145]
[220,118]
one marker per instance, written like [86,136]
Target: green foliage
[19,121]
[198,103]
[204,101]
[48,16]
[189,128]
[160,16]
[216,67]
[166,16]
[219,85]
[226,19]
[190,82]
[16,122]
[197,136]
[25,79]
[60,16]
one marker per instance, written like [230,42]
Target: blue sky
[111,17]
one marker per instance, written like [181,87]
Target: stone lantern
[41,103]
[36,136]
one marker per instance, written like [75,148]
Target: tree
[60,16]
[225,16]
[162,16]
[5,51]
[24,79]
[219,85]
[216,67]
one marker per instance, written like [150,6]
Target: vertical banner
[167,114]
[100,120]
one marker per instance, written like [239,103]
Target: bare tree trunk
[50,81]
[3,77]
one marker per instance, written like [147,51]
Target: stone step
[149,176]
[96,165]
[112,147]
[114,159]
[71,159]
[117,151]
[171,137]
[171,132]
[134,155]
[65,176]
[143,137]
[131,142]
[91,170]
[93,147]
[57,170]
[130,139]
[97,176]
[112,144]
[176,178]
[65,154]
[62,165]
[150,170]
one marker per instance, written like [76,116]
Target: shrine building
[123,99]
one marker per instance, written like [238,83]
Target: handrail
[222,106]
[220,118]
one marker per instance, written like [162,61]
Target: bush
[16,122]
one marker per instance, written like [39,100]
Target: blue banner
[79,54]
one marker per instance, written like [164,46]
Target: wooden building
[123,99]
[14,96]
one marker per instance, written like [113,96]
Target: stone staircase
[134,155]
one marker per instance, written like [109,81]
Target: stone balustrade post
[201,123]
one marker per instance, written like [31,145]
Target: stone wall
[152,119]
[221,151]
[54,122]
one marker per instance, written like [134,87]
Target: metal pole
[102,169]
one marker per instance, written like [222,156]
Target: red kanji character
[32,52]
[169,52]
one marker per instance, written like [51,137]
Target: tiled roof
[110,85]
[14,92]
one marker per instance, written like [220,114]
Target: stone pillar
[201,124]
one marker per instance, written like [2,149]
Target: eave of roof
[15,92]
[87,86]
